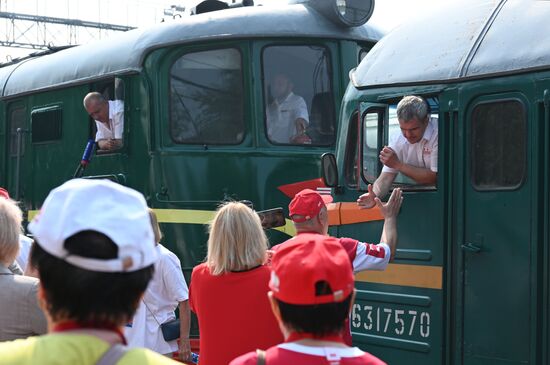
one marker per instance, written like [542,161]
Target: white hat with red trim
[103,206]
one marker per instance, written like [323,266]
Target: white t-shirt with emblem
[281,118]
[420,154]
[116,122]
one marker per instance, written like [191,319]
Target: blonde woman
[20,314]
[229,291]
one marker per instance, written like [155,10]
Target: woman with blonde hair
[21,315]
[229,291]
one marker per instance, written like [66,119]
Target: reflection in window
[17,120]
[498,145]
[206,98]
[298,95]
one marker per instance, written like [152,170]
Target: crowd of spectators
[106,289]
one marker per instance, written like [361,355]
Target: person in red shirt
[311,311]
[228,292]
[309,213]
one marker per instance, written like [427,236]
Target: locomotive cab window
[298,95]
[206,98]
[105,106]
[498,152]
[400,151]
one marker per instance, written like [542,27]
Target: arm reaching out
[389,211]
[379,189]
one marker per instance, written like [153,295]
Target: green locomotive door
[495,243]
[17,150]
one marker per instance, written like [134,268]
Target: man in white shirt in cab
[287,116]
[413,152]
[109,119]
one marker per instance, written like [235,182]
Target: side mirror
[272,218]
[329,170]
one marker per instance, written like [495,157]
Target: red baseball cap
[4,193]
[307,204]
[298,268]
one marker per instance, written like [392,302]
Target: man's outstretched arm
[389,211]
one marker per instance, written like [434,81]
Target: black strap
[113,354]
[260,357]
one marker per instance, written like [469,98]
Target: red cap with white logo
[313,269]
[307,204]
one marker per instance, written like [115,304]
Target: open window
[380,127]
[107,119]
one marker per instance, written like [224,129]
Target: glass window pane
[372,122]
[206,98]
[298,96]
[351,152]
[46,125]
[499,141]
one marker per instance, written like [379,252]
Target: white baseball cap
[103,206]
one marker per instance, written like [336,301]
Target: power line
[42,32]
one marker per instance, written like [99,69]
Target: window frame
[175,59]
[382,124]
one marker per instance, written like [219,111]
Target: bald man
[109,118]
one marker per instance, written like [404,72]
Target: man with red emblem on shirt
[309,213]
[311,311]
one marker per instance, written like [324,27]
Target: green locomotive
[470,282]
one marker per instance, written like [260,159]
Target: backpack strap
[260,357]
[113,354]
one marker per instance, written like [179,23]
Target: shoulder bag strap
[260,357]
[150,311]
[113,354]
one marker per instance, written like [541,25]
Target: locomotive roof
[125,52]
[461,40]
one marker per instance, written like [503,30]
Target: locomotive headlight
[341,5]
[347,13]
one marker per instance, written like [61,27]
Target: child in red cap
[312,310]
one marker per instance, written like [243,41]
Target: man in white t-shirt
[413,152]
[109,118]
[287,116]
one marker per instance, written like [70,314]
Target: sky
[139,13]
